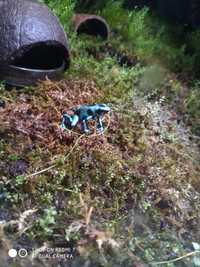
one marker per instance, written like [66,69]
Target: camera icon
[12,253]
[22,253]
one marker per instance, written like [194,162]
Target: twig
[88,211]
[176,259]
[41,171]
[88,215]
[20,222]
[7,99]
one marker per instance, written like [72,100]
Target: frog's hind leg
[100,127]
[84,127]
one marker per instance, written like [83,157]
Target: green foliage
[192,103]
[47,221]
[106,72]
[19,180]
[147,36]
[90,5]
[13,157]
[154,40]
[115,15]
[64,9]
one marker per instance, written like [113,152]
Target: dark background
[176,11]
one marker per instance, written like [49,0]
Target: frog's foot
[100,129]
[85,129]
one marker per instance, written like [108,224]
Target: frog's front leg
[84,126]
[99,125]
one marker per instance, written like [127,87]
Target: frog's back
[86,112]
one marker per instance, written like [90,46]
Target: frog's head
[68,122]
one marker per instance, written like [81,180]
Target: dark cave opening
[93,27]
[41,56]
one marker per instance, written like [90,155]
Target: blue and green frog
[83,114]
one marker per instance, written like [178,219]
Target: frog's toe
[100,130]
[86,131]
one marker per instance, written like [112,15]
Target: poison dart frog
[83,114]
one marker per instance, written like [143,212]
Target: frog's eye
[74,109]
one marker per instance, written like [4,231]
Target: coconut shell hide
[33,44]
